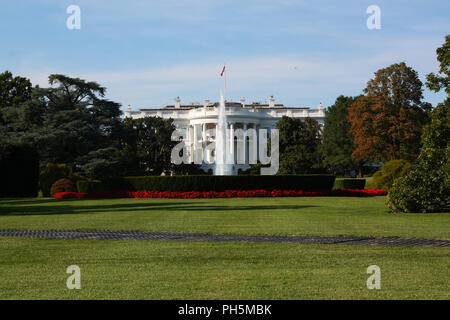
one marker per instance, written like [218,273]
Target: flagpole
[225,80]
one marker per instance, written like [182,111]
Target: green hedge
[90,186]
[346,183]
[213,183]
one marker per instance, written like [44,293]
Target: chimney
[242,101]
[128,112]
[206,103]
[177,102]
[271,102]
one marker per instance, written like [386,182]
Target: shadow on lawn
[15,207]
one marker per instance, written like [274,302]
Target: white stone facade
[199,120]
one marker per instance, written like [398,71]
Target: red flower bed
[223,194]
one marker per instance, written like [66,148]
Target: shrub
[425,188]
[421,191]
[345,183]
[62,185]
[54,172]
[390,171]
[216,183]
[89,186]
[19,171]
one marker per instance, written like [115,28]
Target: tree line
[71,122]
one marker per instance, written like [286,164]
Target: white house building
[199,120]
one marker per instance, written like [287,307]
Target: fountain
[223,163]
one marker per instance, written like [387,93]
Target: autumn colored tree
[387,122]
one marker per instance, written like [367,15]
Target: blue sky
[148,52]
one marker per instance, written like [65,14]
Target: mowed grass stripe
[36,269]
[303,216]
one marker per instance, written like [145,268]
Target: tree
[387,122]
[147,143]
[66,122]
[337,140]
[426,187]
[13,91]
[106,163]
[438,82]
[398,84]
[299,145]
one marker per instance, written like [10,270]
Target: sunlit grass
[110,269]
[325,216]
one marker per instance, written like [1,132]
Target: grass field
[322,216]
[36,268]
[112,269]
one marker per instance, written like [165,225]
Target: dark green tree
[13,92]
[19,161]
[426,187]
[147,143]
[69,122]
[299,145]
[77,120]
[441,80]
[337,140]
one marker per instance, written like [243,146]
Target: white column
[195,134]
[257,141]
[204,141]
[232,141]
[195,142]
[204,132]
[245,143]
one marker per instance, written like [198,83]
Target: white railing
[213,112]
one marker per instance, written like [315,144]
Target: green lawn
[111,269]
[35,269]
[325,216]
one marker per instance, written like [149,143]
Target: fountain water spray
[223,163]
